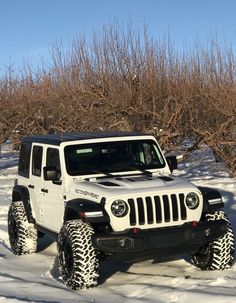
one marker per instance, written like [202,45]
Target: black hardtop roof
[57,139]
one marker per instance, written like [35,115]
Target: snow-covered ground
[35,278]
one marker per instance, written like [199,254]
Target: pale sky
[29,27]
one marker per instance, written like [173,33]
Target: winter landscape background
[166,68]
[35,278]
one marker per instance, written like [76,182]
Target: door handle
[44,190]
[31,186]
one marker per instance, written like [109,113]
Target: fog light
[207,232]
[122,242]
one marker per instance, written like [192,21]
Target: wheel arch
[80,208]
[21,193]
[212,200]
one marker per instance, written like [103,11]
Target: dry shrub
[124,80]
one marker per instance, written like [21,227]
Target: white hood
[109,187]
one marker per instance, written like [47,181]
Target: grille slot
[182,207]
[132,215]
[157,209]
[141,216]
[149,210]
[175,208]
[166,208]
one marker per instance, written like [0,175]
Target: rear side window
[24,160]
[37,160]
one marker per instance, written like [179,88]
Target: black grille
[157,209]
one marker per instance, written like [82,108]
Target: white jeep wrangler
[112,195]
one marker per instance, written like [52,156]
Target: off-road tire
[23,235]
[218,254]
[78,260]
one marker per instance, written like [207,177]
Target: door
[52,193]
[34,182]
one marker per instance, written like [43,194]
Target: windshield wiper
[109,175]
[94,171]
[143,171]
[134,168]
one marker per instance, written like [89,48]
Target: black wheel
[78,260]
[218,254]
[23,235]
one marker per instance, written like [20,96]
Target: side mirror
[172,162]
[51,173]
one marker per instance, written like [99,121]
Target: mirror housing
[51,173]
[172,162]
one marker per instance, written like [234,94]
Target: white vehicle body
[48,199]
[112,195]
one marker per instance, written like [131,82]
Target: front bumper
[161,242]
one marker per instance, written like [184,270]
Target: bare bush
[123,80]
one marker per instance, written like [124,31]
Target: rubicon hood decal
[87,193]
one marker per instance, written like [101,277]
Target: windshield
[93,158]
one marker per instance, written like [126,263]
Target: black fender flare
[212,200]
[76,208]
[21,193]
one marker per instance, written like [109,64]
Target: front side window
[24,160]
[53,159]
[37,160]
[112,157]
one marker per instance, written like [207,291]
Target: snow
[35,278]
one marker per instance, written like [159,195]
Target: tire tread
[85,258]
[220,254]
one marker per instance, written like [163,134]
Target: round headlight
[119,208]
[192,200]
